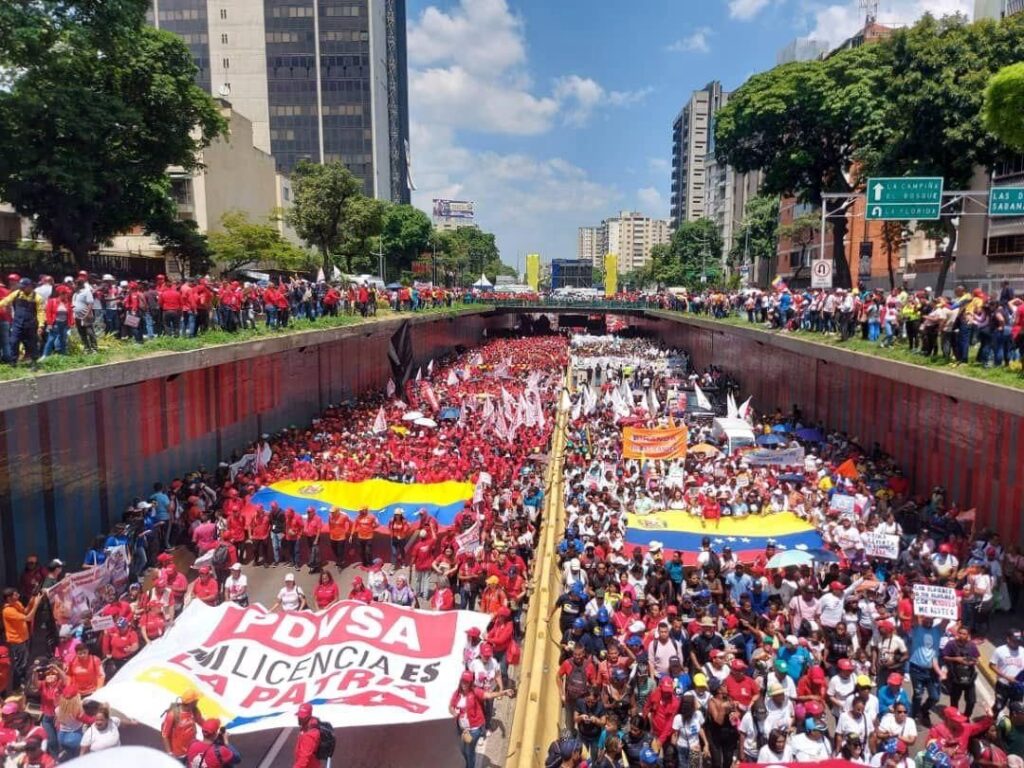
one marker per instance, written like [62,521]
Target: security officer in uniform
[26,310]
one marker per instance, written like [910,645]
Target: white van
[732,434]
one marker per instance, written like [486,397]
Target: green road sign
[1006,201]
[904,197]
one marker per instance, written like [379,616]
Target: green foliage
[406,232]
[88,130]
[465,252]
[1004,106]
[320,196]
[363,222]
[695,251]
[801,231]
[184,242]
[757,236]
[243,243]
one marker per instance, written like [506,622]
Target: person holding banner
[468,706]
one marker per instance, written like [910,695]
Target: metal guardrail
[542,305]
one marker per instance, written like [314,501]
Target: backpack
[576,682]
[220,556]
[325,747]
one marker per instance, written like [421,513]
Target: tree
[406,232]
[930,122]
[894,235]
[757,236]
[465,252]
[88,129]
[1004,105]
[244,243]
[184,242]
[363,223]
[320,194]
[801,232]
[797,123]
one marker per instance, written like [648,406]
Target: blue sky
[552,114]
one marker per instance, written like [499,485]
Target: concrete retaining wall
[963,434]
[77,447]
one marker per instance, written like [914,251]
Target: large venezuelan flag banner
[382,497]
[745,536]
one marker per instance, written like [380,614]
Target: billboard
[611,274]
[533,270]
[453,209]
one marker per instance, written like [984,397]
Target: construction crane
[870,10]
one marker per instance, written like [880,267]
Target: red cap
[945,549]
[817,674]
[845,665]
[473,632]
[714,653]
[738,665]
[886,626]
[205,570]
[212,726]
[895,679]
[305,711]
[13,277]
[673,611]
[467,677]
[668,685]
[813,708]
[487,650]
[836,585]
[954,714]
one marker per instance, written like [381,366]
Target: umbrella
[781,428]
[425,422]
[823,556]
[770,440]
[705,449]
[789,558]
[412,416]
[449,414]
[810,435]
[394,286]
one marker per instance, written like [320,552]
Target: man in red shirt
[213,750]
[742,688]
[661,707]
[575,675]
[120,643]
[177,583]
[309,739]
[363,528]
[170,310]
[956,731]
[205,588]
[311,528]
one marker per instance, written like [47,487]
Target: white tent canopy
[483,282]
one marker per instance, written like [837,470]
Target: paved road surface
[407,746]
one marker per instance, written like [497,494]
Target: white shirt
[830,610]
[807,750]
[749,731]
[290,599]
[237,587]
[97,740]
[767,756]
[1009,663]
[849,724]
[485,673]
[890,726]
[689,732]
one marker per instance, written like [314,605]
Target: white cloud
[695,42]
[651,202]
[746,9]
[657,164]
[469,73]
[838,21]
[581,96]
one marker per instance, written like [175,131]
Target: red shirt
[206,589]
[326,594]
[120,645]
[312,526]
[742,690]
[339,526]
[306,745]
[86,675]
[661,710]
[423,555]
[365,526]
[470,705]
[170,300]
[207,755]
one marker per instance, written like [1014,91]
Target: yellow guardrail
[535,723]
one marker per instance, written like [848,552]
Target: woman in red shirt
[400,531]
[467,707]
[86,672]
[259,532]
[340,528]
[359,591]
[152,623]
[326,592]
[205,588]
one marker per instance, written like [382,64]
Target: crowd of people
[37,316]
[675,660]
[212,515]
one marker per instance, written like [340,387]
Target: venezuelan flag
[382,497]
[745,536]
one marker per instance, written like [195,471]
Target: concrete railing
[535,723]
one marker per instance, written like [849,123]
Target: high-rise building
[996,9]
[588,245]
[630,236]
[691,136]
[324,80]
[802,49]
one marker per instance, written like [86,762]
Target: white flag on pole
[419,374]
[744,409]
[390,389]
[702,399]
[430,367]
[730,404]
[452,379]
[380,424]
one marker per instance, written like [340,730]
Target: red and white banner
[357,664]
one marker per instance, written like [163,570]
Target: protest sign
[357,664]
[884,545]
[844,505]
[100,623]
[85,592]
[785,457]
[742,480]
[469,540]
[937,602]
[639,443]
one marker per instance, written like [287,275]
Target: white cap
[108,277]
[124,283]
[637,626]
[289,577]
[574,564]
[238,567]
[654,546]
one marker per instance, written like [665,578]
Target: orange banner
[667,443]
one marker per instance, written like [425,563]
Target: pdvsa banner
[668,443]
[357,664]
